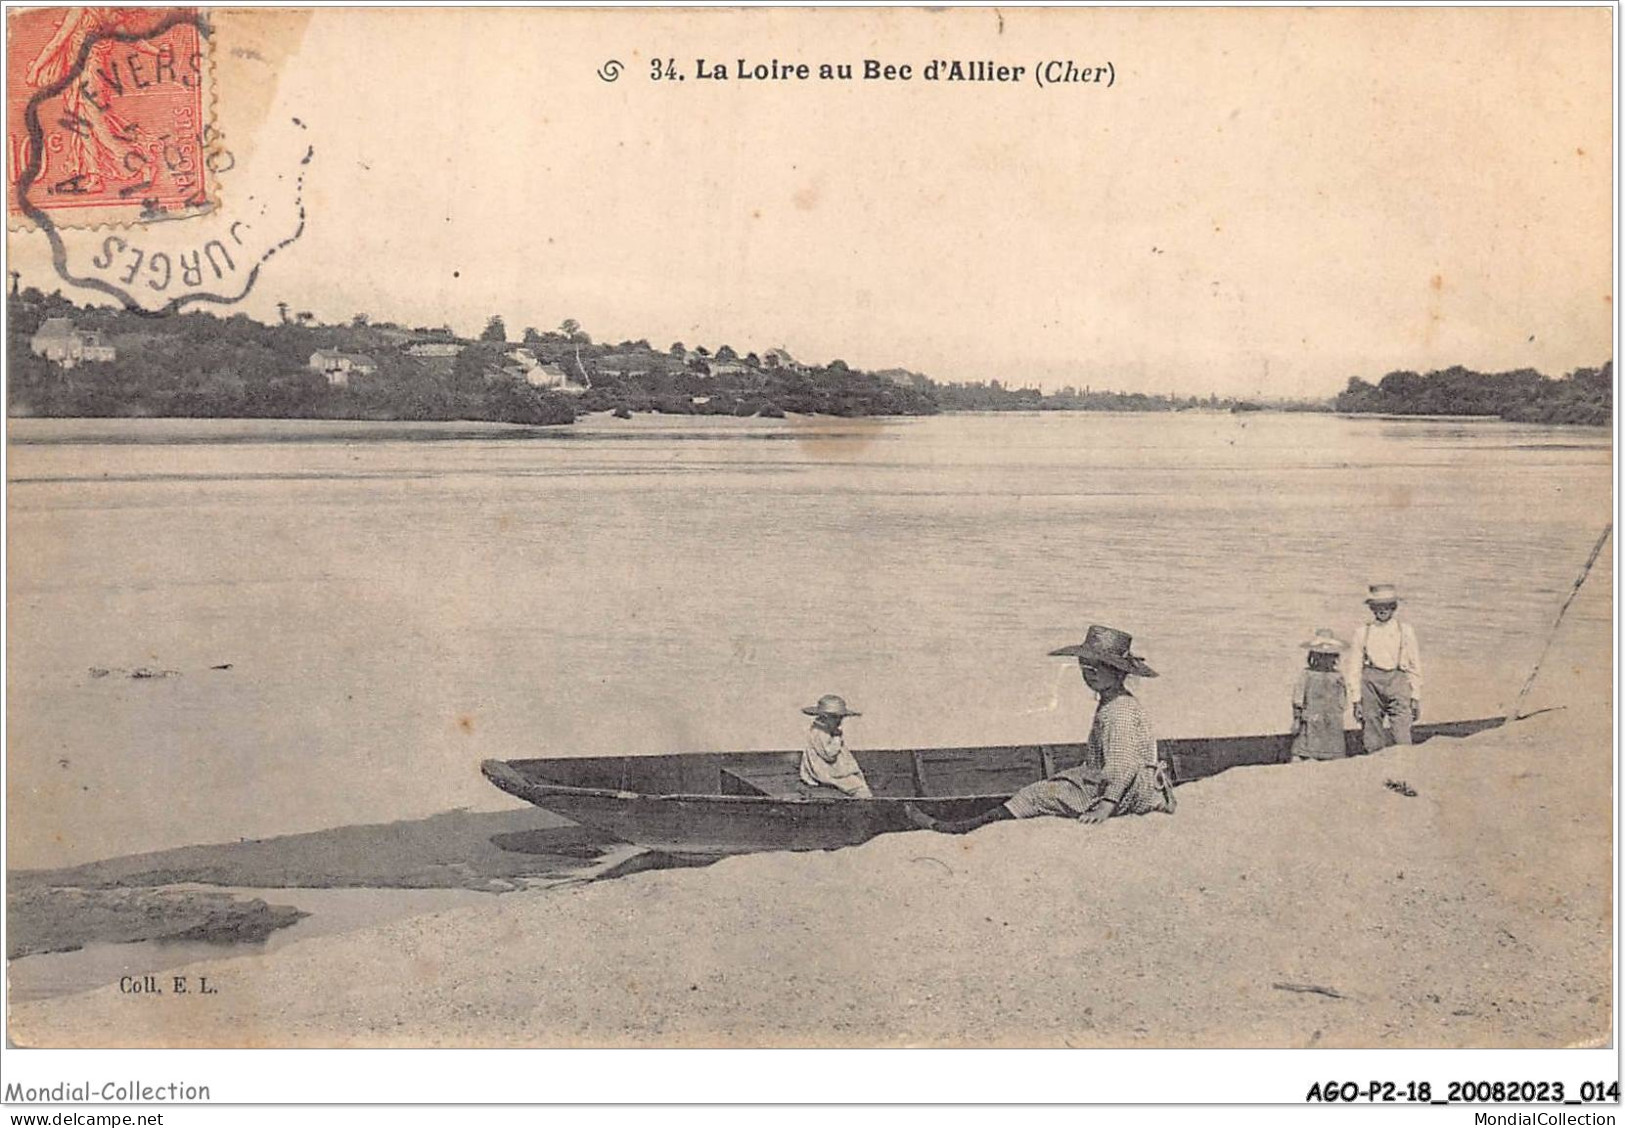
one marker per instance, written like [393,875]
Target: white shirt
[1386,646]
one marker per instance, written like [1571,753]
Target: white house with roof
[538,374]
[339,366]
[59,342]
[554,379]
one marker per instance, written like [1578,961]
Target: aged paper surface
[902,347]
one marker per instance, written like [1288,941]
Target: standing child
[1318,700]
[1387,673]
[826,761]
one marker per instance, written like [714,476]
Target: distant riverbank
[1584,396]
[46,431]
[30,431]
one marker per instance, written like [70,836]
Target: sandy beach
[1282,906]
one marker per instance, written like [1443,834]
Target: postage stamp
[121,124]
[108,115]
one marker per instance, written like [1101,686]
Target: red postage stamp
[107,114]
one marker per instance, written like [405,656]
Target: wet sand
[133,899]
[493,851]
[41,919]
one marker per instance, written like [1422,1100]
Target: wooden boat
[706,804]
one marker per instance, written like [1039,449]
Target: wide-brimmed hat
[830,705]
[1382,593]
[1325,642]
[1107,647]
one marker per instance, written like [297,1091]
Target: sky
[1264,201]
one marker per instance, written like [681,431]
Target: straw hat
[1325,642]
[1382,594]
[830,705]
[1105,646]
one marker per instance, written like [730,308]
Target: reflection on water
[392,611]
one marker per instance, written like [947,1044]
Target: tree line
[202,365]
[1585,395]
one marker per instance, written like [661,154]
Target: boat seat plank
[778,778]
[736,783]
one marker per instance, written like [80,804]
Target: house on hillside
[521,362]
[553,379]
[338,366]
[59,342]
[523,365]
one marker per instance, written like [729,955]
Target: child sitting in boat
[1318,701]
[826,762]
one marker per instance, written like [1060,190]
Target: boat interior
[912,773]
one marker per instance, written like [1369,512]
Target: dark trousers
[1385,695]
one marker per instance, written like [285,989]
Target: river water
[395,603]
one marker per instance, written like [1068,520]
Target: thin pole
[1516,712]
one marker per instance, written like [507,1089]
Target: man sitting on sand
[1121,774]
[826,761]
